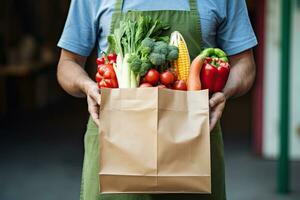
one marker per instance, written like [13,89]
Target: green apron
[188,24]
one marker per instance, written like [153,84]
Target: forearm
[242,74]
[72,76]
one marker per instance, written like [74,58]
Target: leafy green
[114,39]
[139,47]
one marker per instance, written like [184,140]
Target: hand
[93,100]
[217,104]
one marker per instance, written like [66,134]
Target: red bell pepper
[215,70]
[106,76]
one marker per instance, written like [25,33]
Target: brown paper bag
[154,141]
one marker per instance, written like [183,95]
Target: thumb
[216,98]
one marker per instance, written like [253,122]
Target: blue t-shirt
[224,23]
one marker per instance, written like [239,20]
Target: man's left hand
[216,104]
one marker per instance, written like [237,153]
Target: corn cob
[182,64]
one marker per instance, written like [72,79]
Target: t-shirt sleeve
[81,28]
[235,33]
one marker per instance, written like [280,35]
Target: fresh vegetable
[139,47]
[145,85]
[180,85]
[173,53]
[106,76]
[158,53]
[105,84]
[152,54]
[194,82]
[215,71]
[215,53]
[98,77]
[152,77]
[167,78]
[100,61]
[112,57]
[182,64]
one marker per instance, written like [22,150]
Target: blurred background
[42,128]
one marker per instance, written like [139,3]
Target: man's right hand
[74,80]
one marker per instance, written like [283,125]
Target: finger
[93,109]
[216,114]
[96,122]
[216,99]
[95,94]
[212,123]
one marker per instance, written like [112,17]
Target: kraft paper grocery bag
[154,141]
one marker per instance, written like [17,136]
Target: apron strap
[119,5]
[193,6]
[195,13]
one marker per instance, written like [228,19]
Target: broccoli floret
[145,67]
[172,48]
[157,59]
[140,66]
[160,47]
[147,46]
[173,53]
[134,63]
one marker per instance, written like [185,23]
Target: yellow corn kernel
[182,64]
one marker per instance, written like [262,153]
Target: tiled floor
[41,157]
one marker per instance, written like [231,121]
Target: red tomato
[112,57]
[106,76]
[167,78]
[103,84]
[109,73]
[108,83]
[112,83]
[98,77]
[161,86]
[180,85]
[145,85]
[100,61]
[101,68]
[152,77]
[104,67]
